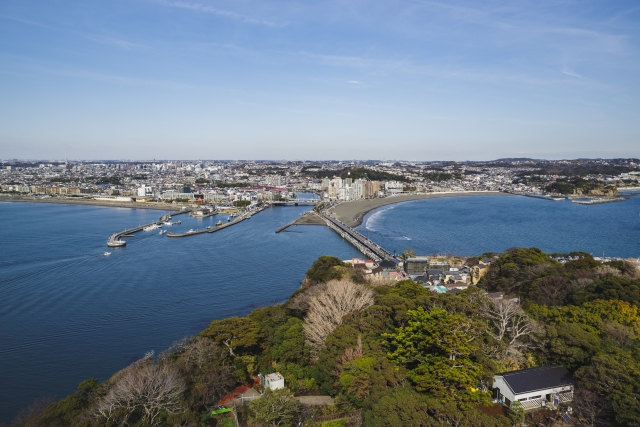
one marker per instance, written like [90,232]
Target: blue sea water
[69,313]
[474,225]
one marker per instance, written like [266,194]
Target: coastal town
[225,182]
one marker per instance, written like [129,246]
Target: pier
[241,218]
[115,242]
[309,218]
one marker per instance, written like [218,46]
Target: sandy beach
[134,205]
[351,213]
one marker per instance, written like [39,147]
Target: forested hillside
[392,355]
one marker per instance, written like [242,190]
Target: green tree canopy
[437,347]
[274,409]
[234,332]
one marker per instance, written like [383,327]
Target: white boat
[218,224]
[178,222]
[167,223]
[107,253]
[191,231]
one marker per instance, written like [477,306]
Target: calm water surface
[69,313]
[474,225]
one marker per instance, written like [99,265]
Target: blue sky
[351,79]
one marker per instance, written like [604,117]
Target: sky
[346,79]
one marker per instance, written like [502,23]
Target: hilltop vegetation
[395,355]
[581,187]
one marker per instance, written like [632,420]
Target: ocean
[475,225]
[69,313]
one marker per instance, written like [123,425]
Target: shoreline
[352,213]
[130,205]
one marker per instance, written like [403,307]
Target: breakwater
[210,229]
[114,240]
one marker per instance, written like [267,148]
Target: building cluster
[218,181]
[445,274]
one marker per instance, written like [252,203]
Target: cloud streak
[198,7]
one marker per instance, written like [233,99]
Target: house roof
[534,379]
[387,264]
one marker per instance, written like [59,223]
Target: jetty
[114,240]
[241,218]
[309,218]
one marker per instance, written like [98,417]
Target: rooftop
[540,378]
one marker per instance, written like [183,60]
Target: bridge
[364,245]
[296,202]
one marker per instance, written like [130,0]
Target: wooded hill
[392,355]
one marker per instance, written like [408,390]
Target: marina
[115,242]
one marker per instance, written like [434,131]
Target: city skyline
[278,80]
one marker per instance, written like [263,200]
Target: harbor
[220,225]
[115,242]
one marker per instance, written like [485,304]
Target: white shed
[272,381]
[534,387]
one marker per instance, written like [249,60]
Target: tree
[216,383]
[322,270]
[551,290]
[143,389]
[234,332]
[274,409]
[289,343]
[400,407]
[339,298]
[516,412]
[591,409]
[509,324]
[436,347]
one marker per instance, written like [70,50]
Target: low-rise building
[534,387]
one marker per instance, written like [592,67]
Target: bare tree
[509,324]
[201,351]
[592,410]
[551,290]
[326,310]
[144,387]
[618,333]
[216,384]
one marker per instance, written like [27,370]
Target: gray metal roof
[534,379]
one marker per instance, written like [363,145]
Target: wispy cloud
[354,82]
[118,42]
[569,72]
[198,7]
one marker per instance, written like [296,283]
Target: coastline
[131,205]
[352,213]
